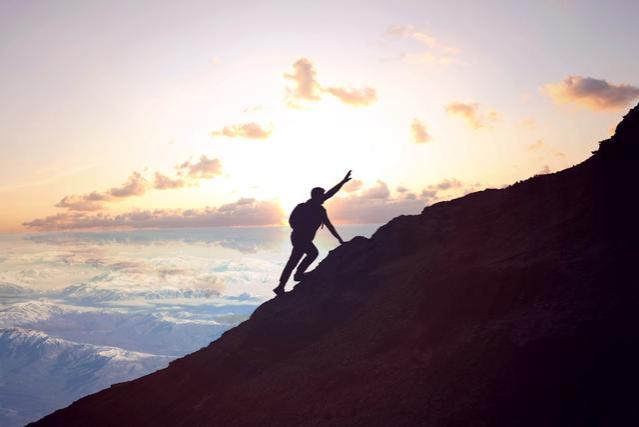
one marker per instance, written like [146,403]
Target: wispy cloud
[472,114]
[595,94]
[432,50]
[419,132]
[250,130]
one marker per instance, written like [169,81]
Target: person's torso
[306,219]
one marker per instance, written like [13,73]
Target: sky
[154,114]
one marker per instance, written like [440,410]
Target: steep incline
[504,307]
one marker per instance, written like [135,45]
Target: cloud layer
[595,94]
[243,212]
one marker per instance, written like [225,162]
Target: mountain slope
[504,307]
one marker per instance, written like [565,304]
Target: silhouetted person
[305,219]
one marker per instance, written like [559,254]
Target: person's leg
[311,253]
[296,255]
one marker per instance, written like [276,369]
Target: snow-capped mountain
[52,353]
[41,373]
[165,332]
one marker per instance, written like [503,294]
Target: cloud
[446,184]
[243,212]
[472,114]
[433,51]
[353,185]
[244,130]
[419,132]
[86,202]
[136,185]
[355,97]
[377,204]
[429,195]
[205,168]
[595,94]
[379,191]
[307,88]
[451,187]
[304,77]
[163,182]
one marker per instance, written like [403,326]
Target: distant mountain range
[53,353]
[40,372]
[159,332]
[505,307]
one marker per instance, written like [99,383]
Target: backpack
[305,216]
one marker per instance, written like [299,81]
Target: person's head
[317,194]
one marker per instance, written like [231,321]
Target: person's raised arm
[330,193]
[331,228]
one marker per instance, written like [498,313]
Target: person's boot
[279,290]
[298,277]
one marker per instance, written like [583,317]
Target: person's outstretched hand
[347,177]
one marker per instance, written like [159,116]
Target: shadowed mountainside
[516,306]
